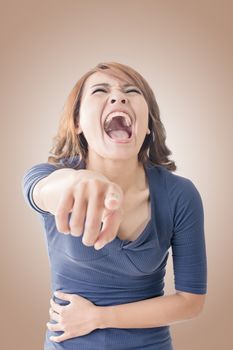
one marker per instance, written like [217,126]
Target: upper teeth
[116,114]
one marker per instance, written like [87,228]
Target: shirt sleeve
[188,239]
[30,179]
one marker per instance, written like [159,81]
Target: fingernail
[114,195]
[75,234]
[86,243]
[98,246]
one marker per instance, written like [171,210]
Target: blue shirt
[127,271]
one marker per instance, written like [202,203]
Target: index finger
[113,197]
[111,224]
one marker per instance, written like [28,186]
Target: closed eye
[134,90]
[131,90]
[99,90]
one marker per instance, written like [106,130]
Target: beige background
[184,50]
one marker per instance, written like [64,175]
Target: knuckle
[68,332]
[94,182]
[96,185]
[72,297]
[75,223]
[62,313]
[79,189]
[63,325]
[80,184]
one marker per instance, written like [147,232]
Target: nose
[114,100]
[118,97]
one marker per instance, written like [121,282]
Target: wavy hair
[68,145]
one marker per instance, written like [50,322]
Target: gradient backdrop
[184,50]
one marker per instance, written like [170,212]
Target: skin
[107,158]
[104,191]
[81,317]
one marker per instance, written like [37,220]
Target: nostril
[113,100]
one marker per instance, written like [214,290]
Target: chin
[121,157]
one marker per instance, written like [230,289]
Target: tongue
[118,134]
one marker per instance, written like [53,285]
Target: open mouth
[118,126]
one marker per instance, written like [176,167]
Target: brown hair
[67,144]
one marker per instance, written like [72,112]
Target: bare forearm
[154,312]
[47,192]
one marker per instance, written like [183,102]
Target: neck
[129,174]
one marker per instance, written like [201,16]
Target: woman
[111,207]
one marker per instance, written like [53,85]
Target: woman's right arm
[47,192]
[84,194]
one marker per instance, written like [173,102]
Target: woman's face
[125,105]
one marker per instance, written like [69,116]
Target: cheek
[142,107]
[89,114]
[144,118]
[85,118]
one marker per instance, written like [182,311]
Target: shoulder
[71,162]
[183,192]
[171,180]
[178,189]
[40,170]
[180,184]
[185,201]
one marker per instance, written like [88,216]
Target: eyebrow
[108,85]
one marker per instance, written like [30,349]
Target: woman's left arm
[189,264]
[154,312]
[81,317]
